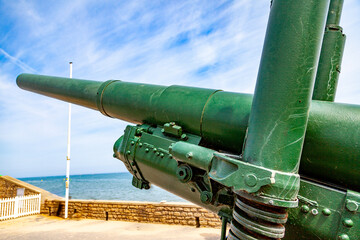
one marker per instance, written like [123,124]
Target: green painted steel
[194,155]
[77,91]
[331,55]
[284,85]
[279,114]
[332,136]
[334,13]
[343,130]
[145,152]
[324,213]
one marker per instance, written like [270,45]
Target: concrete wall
[146,212]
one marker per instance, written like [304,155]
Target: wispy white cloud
[18,62]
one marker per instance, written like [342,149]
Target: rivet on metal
[155,149]
[132,142]
[271,202]
[146,150]
[189,155]
[352,206]
[161,155]
[348,222]
[314,212]
[140,144]
[305,208]
[157,153]
[128,152]
[326,211]
[343,237]
[184,137]
[170,156]
[251,180]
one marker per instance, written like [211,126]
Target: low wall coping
[177,204]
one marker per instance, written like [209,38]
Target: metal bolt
[170,156]
[184,136]
[206,197]
[140,144]
[132,142]
[326,211]
[146,150]
[128,152]
[352,206]
[251,180]
[305,208]
[343,237]
[314,212]
[271,202]
[161,155]
[184,173]
[348,222]
[157,153]
[189,155]
[155,149]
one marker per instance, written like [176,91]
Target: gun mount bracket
[125,150]
[240,176]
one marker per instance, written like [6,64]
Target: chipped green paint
[332,50]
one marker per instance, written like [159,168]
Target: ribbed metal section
[254,221]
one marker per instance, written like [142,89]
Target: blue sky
[213,44]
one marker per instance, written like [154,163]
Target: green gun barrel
[331,150]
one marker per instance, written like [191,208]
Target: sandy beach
[45,227]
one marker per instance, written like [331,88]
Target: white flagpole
[68,158]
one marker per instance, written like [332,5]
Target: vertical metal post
[331,55]
[223,228]
[68,158]
[279,114]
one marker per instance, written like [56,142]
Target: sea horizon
[101,186]
[75,174]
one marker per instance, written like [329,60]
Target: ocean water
[108,186]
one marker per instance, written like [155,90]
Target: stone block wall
[145,212]
[8,189]
[9,186]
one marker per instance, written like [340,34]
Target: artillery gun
[262,161]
